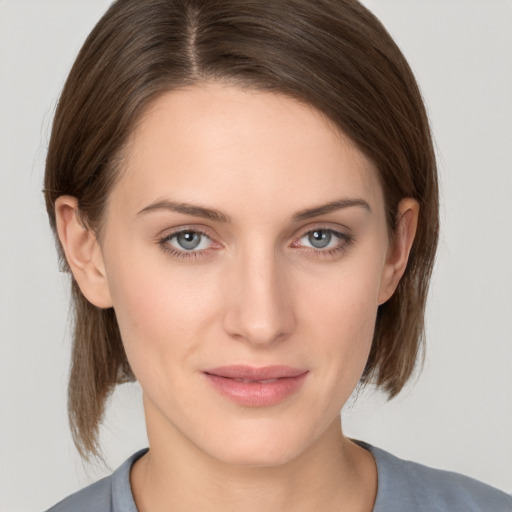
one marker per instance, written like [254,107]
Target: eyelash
[190,255]
[345,241]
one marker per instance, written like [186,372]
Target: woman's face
[244,233]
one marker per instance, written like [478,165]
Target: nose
[259,303]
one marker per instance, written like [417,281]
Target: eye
[319,238]
[324,241]
[188,243]
[189,240]
[322,238]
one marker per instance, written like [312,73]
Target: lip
[256,387]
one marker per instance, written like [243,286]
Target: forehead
[244,149]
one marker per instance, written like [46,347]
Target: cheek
[339,311]
[345,297]
[349,331]
[161,309]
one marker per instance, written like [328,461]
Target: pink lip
[256,387]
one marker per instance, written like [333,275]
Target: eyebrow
[330,207]
[218,216]
[187,209]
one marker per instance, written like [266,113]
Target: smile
[256,387]
[262,381]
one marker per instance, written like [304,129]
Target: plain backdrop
[458,413]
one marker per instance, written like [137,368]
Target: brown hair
[332,54]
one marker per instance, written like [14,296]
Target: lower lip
[257,394]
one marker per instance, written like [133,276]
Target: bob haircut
[331,54]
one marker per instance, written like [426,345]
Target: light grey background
[458,415]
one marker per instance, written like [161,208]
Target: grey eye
[188,240]
[320,238]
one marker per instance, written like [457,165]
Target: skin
[260,293]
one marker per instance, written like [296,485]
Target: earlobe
[398,254]
[83,252]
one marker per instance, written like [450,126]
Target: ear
[83,252]
[398,253]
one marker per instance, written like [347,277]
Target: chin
[262,457]
[266,446]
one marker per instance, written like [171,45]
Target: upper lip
[254,373]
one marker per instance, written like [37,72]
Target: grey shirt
[403,486]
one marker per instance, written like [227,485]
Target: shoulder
[95,497]
[405,485]
[110,494]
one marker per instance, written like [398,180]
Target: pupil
[320,239]
[188,239]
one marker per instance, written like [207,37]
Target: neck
[332,474]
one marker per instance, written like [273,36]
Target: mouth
[256,387]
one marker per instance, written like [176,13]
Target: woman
[246,196]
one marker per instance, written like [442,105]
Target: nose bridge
[259,306]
